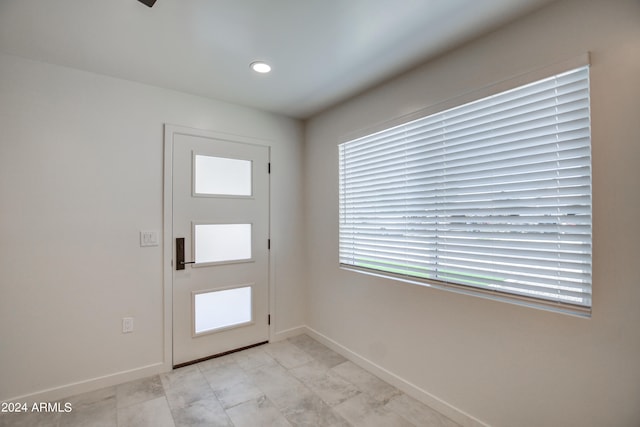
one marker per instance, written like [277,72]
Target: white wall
[81,173]
[501,364]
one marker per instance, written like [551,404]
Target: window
[221,309]
[222,242]
[492,197]
[220,176]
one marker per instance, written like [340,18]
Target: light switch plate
[149,238]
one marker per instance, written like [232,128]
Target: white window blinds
[493,195]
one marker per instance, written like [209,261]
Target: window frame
[488,91]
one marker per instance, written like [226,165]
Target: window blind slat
[568,151]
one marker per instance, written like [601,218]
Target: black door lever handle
[180,262]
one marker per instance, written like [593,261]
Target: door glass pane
[222,176]
[222,309]
[222,242]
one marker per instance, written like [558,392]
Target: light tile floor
[297,382]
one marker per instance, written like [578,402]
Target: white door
[221,232]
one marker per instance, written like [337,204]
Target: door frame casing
[167,240]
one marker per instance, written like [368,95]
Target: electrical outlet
[127,325]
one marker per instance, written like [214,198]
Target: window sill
[555,307]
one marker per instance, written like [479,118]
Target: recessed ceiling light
[260,67]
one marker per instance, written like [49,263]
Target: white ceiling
[321,51]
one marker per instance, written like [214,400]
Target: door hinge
[269,167]
[268,319]
[268,244]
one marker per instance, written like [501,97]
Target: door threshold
[213,356]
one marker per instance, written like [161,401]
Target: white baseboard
[457,415]
[412,390]
[288,333]
[68,390]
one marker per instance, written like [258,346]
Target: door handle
[180,262]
